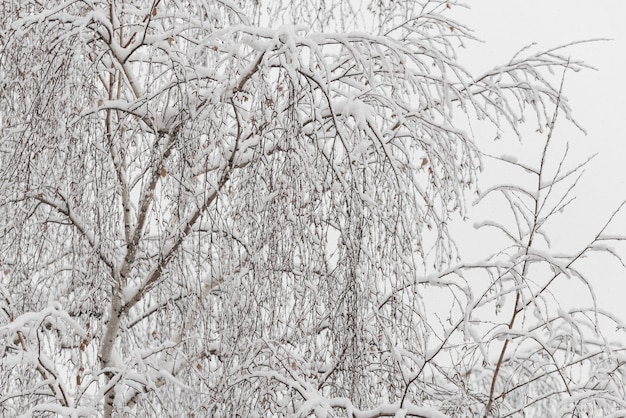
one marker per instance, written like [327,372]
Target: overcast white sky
[597,98]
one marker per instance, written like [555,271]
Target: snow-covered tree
[241,208]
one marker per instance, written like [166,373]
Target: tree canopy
[240,208]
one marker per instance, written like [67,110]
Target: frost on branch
[237,208]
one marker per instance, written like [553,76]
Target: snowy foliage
[230,208]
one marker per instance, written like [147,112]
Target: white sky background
[598,100]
